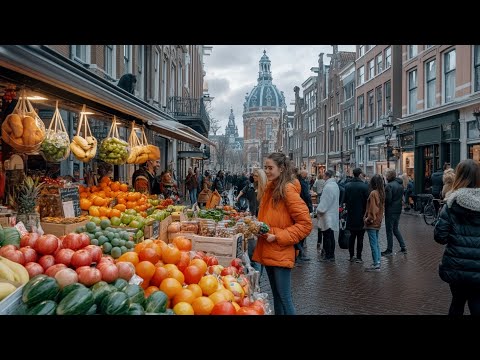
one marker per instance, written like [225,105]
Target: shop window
[449,75]
[81,53]
[472,131]
[474,152]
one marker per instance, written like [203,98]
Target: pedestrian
[191,183]
[284,211]
[328,215]
[458,228]
[373,218]
[356,195]
[305,195]
[393,210]
[318,188]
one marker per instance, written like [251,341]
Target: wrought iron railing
[182,108]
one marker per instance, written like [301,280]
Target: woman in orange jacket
[287,215]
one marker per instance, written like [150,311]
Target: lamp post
[388,130]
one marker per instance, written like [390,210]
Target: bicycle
[430,214]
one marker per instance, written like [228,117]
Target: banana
[6,272]
[6,289]
[81,142]
[20,273]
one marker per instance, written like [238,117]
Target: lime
[116,252]
[104,223]
[107,247]
[90,226]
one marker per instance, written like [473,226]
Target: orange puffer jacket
[289,221]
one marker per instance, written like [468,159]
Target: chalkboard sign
[70,202]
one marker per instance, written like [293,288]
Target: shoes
[322,253]
[373,268]
[327,260]
[353,259]
[386,253]
[358,261]
[403,251]
[319,246]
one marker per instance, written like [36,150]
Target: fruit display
[63,220]
[56,146]
[84,144]
[113,150]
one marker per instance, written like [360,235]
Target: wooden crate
[225,249]
[152,231]
[163,233]
[60,229]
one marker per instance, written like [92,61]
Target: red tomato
[52,270]
[95,251]
[223,308]
[73,241]
[46,244]
[81,258]
[193,274]
[89,276]
[46,261]
[29,240]
[109,273]
[29,253]
[15,256]
[125,270]
[64,256]
[33,269]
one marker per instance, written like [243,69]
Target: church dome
[264,94]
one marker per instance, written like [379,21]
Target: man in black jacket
[393,210]
[305,195]
[356,195]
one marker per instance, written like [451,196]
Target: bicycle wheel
[429,214]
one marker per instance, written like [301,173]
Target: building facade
[262,110]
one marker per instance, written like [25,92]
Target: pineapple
[25,194]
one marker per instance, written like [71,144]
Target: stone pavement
[406,285]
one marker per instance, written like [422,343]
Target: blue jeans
[374,245]
[280,282]
[193,195]
[391,228]
[252,243]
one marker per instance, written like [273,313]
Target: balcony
[190,112]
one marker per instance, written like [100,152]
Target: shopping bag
[343,238]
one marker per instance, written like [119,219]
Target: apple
[236,262]
[215,269]
[229,270]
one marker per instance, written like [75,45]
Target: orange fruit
[149,290]
[217,297]
[171,287]
[208,284]
[120,207]
[197,290]
[183,308]
[171,255]
[202,265]
[184,295]
[160,274]
[123,187]
[177,274]
[129,256]
[145,269]
[148,254]
[202,305]
[182,243]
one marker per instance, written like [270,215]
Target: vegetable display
[56,146]
[113,150]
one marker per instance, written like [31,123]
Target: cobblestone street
[406,285]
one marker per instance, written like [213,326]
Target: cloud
[232,71]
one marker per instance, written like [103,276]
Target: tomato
[15,256]
[73,241]
[81,258]
[211,260]
[46,261]
[95,251]
[66,277]
[29,253]
[89,276]
[223,308]
[46,244]
[34,269]
[52,270]
[246,310]
[29,240]
[109,272]
[193,274]
[184,260]
[125,270]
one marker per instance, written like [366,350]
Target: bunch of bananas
[13,272]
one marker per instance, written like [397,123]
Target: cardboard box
[225,249]
[60,229]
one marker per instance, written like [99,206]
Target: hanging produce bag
[84,144]
[56,146]
[114,150]
[138,151]
[152,150]
[23,129]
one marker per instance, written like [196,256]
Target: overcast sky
[232,72]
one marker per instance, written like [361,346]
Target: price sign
[70,198]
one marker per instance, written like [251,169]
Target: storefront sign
[70,202]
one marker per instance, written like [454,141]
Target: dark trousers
[462,294]
[356,234]
[319,241]
[329,244]
[391,228]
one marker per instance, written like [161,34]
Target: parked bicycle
[430,214]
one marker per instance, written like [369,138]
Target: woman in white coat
[328,216]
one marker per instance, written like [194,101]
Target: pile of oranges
[97,199]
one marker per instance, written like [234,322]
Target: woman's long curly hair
[376,183]
[286,175]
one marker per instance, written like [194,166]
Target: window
[172,80]
[361,75]
[361,50]
[412,91]
[331,144]
[127,59]
[379,102]
[371,105]
[449,72]
[81,53]
[187,67]
[388,96]
[109,60]
[371,69]
[348,90]
[360,117]
[430,77]
[253,131]
[379,61]
[412,51]
[388,57]
[428,46]
[140,70]
[156,77]
[164,81]
[476,67]
[180,80]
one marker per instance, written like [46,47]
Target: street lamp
[388,130]
[476,113]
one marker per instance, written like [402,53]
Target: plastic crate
[12,304]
